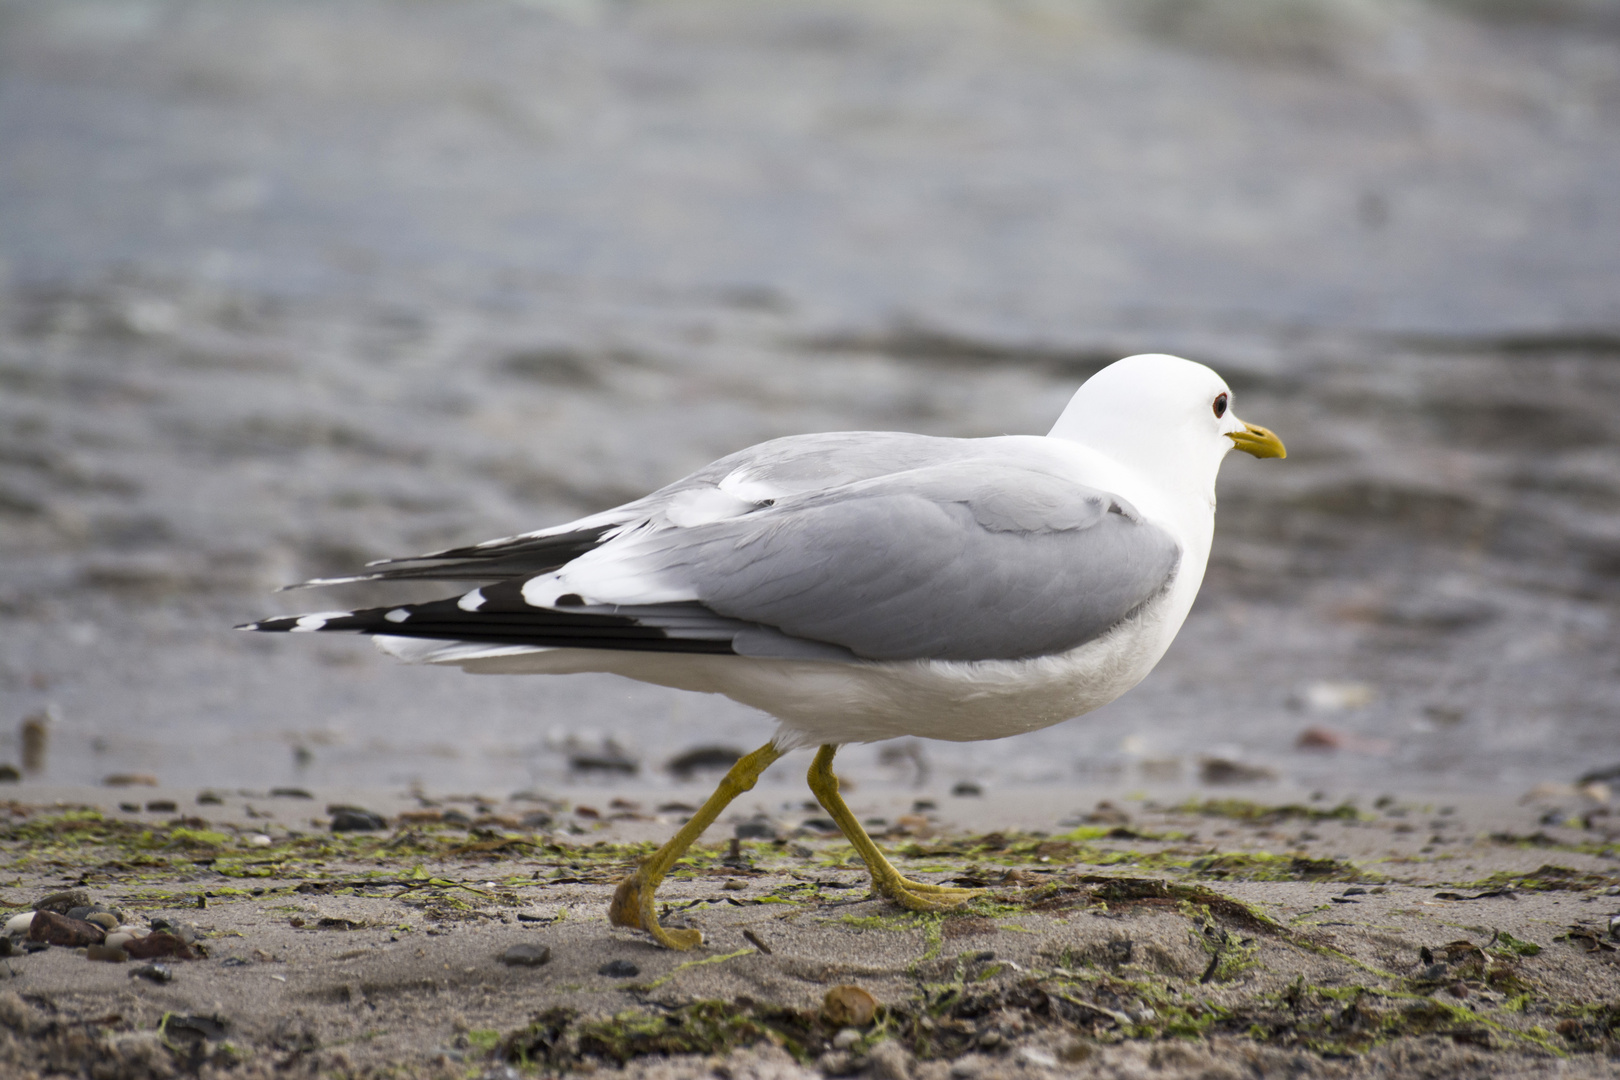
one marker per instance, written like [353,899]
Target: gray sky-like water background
[288,286]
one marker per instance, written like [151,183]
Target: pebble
[889,1060]
[104,919]
[19,924]
[158,944]
[1033,1056]
[158,973]
[109,953]
[527,956]
[9,773]
[756,828]
[125,779]
[289,793]
[1215,770]
[609,761]
[835,1063]
[161,806]
[184,931]
[701,758]
[848,1006]
[618,969]
[847,1038]
[966,789]
[258,839]
[54,929]
[209,798]
[354,819]
[123,935]
[63,902]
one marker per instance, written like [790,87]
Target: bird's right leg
[916,895]
[633,900]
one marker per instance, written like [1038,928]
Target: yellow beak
[1257,441]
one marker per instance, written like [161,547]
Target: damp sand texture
[1192,938]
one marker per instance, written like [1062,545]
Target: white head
[1169,418]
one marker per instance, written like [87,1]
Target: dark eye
[1220,405]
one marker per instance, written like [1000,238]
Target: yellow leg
[916,895]
[633,900]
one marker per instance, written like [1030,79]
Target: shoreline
[1305,939]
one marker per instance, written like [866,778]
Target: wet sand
[1177,935]
[290,287]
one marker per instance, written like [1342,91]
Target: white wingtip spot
[472,601]
[310,623]
[543,591]
[399,614]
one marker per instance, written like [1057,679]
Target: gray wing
[972,560]
[856,545]
[792,465]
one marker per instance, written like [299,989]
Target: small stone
[848,1006]
[78,912]
[63,902]
[756,828]
[1031,1055]
[966,789]
[1216,770]
[104,919]
[846,1038]
[129,780]
[19,924]
[835,1063]
[209,798]
[109,953]
[609,761]
[289,793]
[618,969]
[537,819]
[923,806]
[703,758]
[889,1060]
[161,806]
[158,973]
[184,931]
[158,944]
[354,819]
[54,929]
[527,956]
[9,773]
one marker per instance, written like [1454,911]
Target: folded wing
[872,548]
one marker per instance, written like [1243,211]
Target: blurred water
[287,287]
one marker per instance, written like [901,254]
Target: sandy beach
[1180,934]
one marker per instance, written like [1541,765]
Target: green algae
[1260,814]
[560,1037]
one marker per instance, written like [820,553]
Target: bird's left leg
[633,900]
[916,895]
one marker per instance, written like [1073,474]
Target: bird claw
[633,907]
[921,896]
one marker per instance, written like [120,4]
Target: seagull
[860,586]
